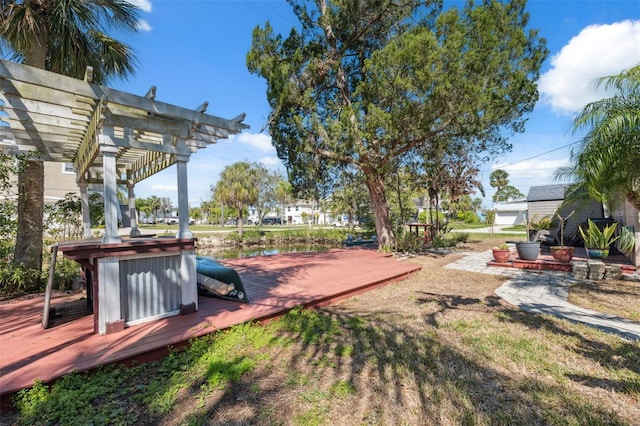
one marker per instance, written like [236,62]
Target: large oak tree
[369,83]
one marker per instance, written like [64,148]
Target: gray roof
[547,192]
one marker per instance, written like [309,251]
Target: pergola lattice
[69,120]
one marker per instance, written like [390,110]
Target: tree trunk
[380,209]
[29,238]
[28,249]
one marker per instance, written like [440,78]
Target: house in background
[511,212]
[59,180]
[545,200]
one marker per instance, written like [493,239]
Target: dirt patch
[615,297]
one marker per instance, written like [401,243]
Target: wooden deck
[274,285]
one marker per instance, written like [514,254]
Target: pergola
[112,138]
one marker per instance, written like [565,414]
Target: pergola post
[109,150]
[135,232]
[183,197]
[84,205]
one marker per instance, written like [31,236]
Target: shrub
[544,223]
[408,243]
[459,237]
[67,271]
[490,217]
[468,217]
[442,242]
[16,280]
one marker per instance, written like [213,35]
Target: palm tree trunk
[29,238]
[28,249]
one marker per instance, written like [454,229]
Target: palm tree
[237,188]
[154,204]
[63,36]
[605,162]
[498,179]
[284,195]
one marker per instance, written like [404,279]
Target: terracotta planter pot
[562,254]
[501,256]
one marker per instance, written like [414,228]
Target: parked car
[171,220]
[272,221]
[337,224]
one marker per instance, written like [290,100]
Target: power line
[535,156]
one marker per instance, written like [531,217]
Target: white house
[510,212]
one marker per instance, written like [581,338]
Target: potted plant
[501,253]
[597,241]
[562,253]
[627,241]
[528,250]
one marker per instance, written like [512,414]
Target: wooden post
[47,295]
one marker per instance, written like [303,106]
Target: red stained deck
[274,285]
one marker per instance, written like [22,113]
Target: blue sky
[194,51]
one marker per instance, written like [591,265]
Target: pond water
[235,253]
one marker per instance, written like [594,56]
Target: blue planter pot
[595,253]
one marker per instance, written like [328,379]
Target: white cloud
[144,26]
[259,141]
[164,188]
[271,161]
[524,174]
[144,5]
[598,51]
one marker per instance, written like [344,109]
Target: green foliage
[365,105]
[18,279]
[506,193]
[544,223]
[490,217]
[333,236]
[498,179]
[312,326]
[239,186]
[468,217]
[502,247]
[67,271]
[605,163]
[8,220]
[77,398]
[459,237]
[627,240]
[594,237]
[64,218]
[408,243]
[96,210]
[432,216]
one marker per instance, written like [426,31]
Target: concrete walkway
[545,292]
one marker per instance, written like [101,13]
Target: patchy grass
[614,297]
[437,348]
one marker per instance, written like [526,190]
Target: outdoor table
[427,231]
